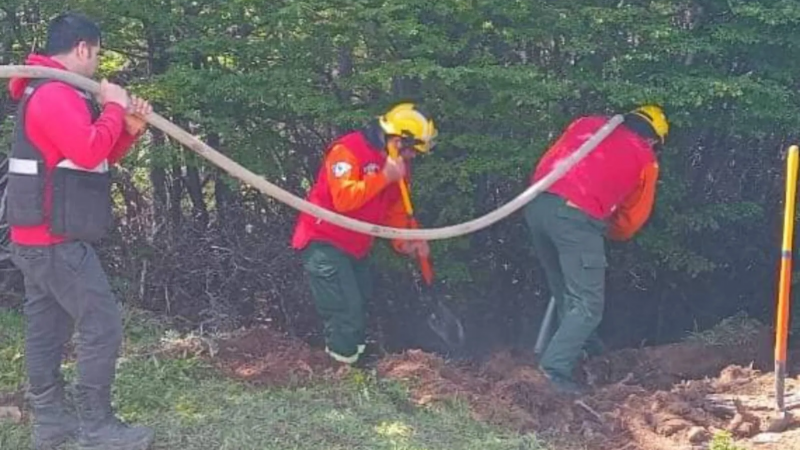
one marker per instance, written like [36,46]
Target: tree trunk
[175,195]
[195,189]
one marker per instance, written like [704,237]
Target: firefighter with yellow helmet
[358,179]
[610,193]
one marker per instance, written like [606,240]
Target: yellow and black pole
[784,287]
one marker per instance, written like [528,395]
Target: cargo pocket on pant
[320,267]
[594,278]
[594,261]
[74,255]
[323,274]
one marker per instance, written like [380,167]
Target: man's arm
[349,189]
[634,212]
[64,118]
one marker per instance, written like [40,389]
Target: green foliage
[723,440]
[737,330]
[12,347]
[272,83]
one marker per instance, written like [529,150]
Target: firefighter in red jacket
[359,180]
[610,193]
[58,204]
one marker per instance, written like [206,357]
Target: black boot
[100,428]
[53,423]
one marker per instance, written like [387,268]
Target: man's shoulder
[55,90]
[55,93]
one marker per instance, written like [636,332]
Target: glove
[415,248]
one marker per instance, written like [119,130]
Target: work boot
[368,357]
[563,385]
[101,429]
[593,347]
[53,423]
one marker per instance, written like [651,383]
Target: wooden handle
[424,262]
[403,187]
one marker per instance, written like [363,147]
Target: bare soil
[263,356]
[671,397]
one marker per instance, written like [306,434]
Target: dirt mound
[614,416]
[266,356]
[676,396]
[663,366]
[517,399]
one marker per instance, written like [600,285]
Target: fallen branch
[726,402]
[590,410]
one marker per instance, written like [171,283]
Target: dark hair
[641,126]
[69,29]
[374,134]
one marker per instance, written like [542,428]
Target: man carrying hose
[358,179]
[610,193]
[58,203]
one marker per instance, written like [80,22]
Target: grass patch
[194,408]
[738,329]
[723,440]
[12,351]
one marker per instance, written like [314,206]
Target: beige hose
[267,188]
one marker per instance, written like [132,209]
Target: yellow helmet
[655,116]
[406,121]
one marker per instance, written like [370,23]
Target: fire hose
[267,188]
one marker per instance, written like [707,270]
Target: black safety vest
[81,198]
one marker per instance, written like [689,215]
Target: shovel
[546,329]
[441,319]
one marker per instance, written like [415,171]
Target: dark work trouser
[340,285]
[571,247]
[67,289]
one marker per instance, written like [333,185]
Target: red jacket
[351,182]
[59,123]
[616,182]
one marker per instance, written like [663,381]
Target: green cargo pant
[340,284]
[571,247]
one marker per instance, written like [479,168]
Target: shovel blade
[546,329]
[446,325]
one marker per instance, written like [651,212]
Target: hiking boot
[101,429]
[593,347]
[53,424]
[368,358]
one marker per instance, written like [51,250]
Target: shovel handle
[403,186]
[424,262]
[426,269]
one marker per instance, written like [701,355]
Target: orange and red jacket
[351,182]
[615,183]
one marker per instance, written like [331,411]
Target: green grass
[192,407]
[723,440]
[12,360]
[739,329]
